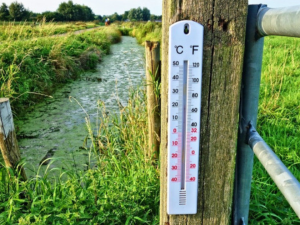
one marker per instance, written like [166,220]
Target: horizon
[120,6]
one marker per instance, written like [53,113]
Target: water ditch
[57,127]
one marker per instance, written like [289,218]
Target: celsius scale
[185,79]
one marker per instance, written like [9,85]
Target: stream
[57,126]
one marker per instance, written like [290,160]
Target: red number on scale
[174,143]
[174,155]
[192,178]
[194,130]
[193,152]
[174,167]
[192,166]
[174,130]
[193,138]
[174,179]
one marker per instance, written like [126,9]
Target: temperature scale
[185,79]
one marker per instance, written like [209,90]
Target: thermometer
[185,79]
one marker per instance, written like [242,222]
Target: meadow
[278,124]
[11,31]
[123,187]
[142,31]
[32,68]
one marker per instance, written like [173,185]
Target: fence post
[248,112]
[8,141]
[153,76]
[224,40]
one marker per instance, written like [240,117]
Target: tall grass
[11,31]
[39,65]
[149,31]
[122,187]
[278,123]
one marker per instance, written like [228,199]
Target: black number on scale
[194,110]
[175,77]
[195,80]
[175,91]
[195,64]
[194,124]
[174,104]
[175,63]
[175,117]
[195,95]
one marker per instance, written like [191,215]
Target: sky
[99,7]
[108,7]
[276,3]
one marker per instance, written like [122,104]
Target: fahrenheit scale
[185,79]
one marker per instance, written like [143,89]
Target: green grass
[38,65]
[121,188]
[149,31]
[278,124]
[11,31]
[119,185]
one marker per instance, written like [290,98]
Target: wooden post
[224,24]
[153,96]
[8,140]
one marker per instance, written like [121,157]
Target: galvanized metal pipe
[248,111]
[283,178]
[279,21]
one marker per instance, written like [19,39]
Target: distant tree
[88,13]
[98,17]
[146,14]
[66,9]
[125,16]
[139,14]
[75,12]
[4,12]
[131,14]
[115,17]
[17,11]
[135,14]
[78,13]
[154,17]
[34,16]
[51,16]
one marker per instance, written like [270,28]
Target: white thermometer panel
[185,79]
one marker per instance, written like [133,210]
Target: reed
[38,65]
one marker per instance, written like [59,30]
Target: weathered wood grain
[153,74]
[8,140]
[224,23]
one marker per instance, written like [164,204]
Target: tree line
[68,11]
[135,14]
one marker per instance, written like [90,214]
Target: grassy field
[149,31]
[123,187]
[278,124]
[10,31]
[32,66]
